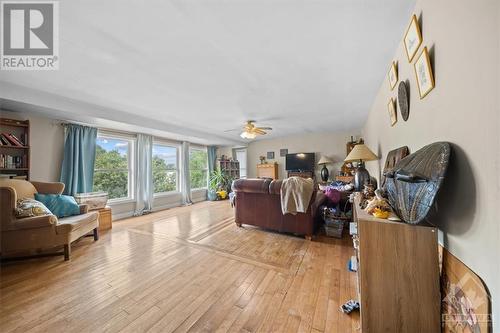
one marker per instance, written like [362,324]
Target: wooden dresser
[398,275]
[267,170]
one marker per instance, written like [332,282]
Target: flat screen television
[299,162]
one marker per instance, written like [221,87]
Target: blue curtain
[212,155]
[77,171]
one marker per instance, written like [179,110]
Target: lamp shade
[361,152]
[324,160]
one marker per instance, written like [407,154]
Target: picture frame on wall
[270,155]
[391,108]
[413,38]
[423,72]
[283,152]
[393,75]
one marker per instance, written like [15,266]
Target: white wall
[331,144]
[47,142]
[463,109]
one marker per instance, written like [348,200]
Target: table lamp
[324,171]
[360,153]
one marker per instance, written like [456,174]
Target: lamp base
[360,178]
[324,174]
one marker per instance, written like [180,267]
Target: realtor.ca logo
[29,35]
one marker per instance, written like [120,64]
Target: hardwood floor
[184,269]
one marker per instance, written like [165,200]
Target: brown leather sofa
[39,232]
[258,202]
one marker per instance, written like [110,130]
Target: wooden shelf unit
[21,129]
[230,168]
[267,170]
[398,275]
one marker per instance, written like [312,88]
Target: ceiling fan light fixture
[247,135]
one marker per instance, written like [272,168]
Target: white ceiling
[197,68]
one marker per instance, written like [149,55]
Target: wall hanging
[413,38]
[403,100]
[415,181]
[393,75]
[391,108]
[423,72]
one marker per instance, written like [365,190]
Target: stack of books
[10,139]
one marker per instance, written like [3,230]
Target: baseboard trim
[125,215]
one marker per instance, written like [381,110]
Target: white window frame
[202,148]
[177,147]
[130,162]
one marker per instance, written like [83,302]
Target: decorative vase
[324,173]
[212,195]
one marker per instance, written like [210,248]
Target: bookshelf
[230,168]
[14,148]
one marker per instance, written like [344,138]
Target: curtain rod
[66,123]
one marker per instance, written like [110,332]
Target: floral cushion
[27,207]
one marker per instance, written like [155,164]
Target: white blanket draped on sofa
[296,193]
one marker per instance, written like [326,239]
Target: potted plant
[218,181]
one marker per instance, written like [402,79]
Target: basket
[334,227]
[95,200]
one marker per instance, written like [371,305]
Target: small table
[105,218]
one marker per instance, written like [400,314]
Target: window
[112,168]
[198,168]
[165,175]
[241,156]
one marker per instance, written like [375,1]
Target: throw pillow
[30,207]
[60,205]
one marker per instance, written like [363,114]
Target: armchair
[40,232]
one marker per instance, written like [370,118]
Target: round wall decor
[403,100]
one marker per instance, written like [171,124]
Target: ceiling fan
[250,131]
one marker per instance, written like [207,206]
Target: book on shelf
[16,139]
[12,140]
[13,162]
[4,140]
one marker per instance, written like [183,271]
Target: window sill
[121,201]
[166,194]
[199,189]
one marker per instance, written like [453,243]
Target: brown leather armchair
[258,202]
[40,232]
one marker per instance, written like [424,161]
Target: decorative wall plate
[403,100]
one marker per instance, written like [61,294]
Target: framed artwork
[413,38]
[391,108]
[393,75]
[423,72]
[270,155]
[283,152]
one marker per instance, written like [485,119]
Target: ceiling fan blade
[259,131]
[266,128]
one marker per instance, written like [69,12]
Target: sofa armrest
[32,222]
[8,198]
[49,188]
[84,209]
[319,199]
